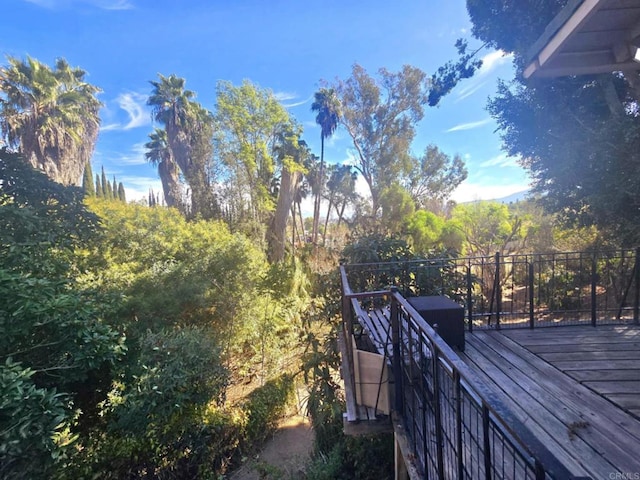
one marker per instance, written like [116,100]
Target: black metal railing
[527,290]
[458,427]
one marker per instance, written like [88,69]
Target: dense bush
[56,350]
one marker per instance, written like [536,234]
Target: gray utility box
[446,314]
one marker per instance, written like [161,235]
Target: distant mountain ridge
[514,197]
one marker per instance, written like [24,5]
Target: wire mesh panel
[528,290]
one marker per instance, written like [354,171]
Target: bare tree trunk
[316,203]
[326,221]
[277,229]
[302,231]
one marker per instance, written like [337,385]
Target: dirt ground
[285,455]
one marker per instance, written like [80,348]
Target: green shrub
[33,425]
[266,406]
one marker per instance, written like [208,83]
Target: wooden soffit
[588,37]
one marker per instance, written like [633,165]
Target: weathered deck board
[609,362]
[552,404]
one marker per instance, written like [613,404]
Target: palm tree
[189,130]
[159,155]
[50,116]
[327,106]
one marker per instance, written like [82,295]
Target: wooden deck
[576,388]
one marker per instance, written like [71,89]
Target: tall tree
[344,190]
[249,122]
[50,115]
[579,137]
[434,176]
[380,117]
[327,107]
[106,186]
[159,155]
[122,196]
[288,151]
[340,190]
[99,192]
[88,187]
[189,130]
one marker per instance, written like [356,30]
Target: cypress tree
[121,194]
[114,189]
[99,192]
[106,186]
[87,181]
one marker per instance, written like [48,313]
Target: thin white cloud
[490,62]
[102,4]
[135,156]
[470,89]
[284,96]
[493,60]
[111,126]
[502,160]
[469,126]
[296,104]
[134,104]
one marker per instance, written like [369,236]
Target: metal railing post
[458,402]
[437,403]
[486,444]
[594,281]
[397,355]
[636,300]
[498,291]
[469,297]
[531,296]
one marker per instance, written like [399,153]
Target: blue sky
[287,46]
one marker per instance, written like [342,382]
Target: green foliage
[99,192]
[577,135]
[176,371]
[490,227]
[379,116]
[175,272]
[33,424]
[425,230]
[57,350]
[434,176]
[376,248]
[88,187]
[41,221]
[50,115]
[266,406]
[337,456]
[249,120]
[189,132]
[397,205]
[121,193]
